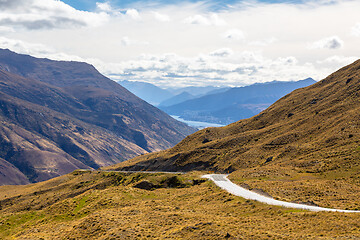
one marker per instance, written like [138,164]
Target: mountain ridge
[235,103]
[312,129]
[84,120]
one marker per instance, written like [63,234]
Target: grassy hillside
[100,205]
[305,147]
[313,129]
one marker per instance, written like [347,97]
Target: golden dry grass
[97,205]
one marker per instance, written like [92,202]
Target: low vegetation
[108,205]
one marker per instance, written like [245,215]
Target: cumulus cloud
[223,52]
[355,31]
[105,7]
[37,50]
[234,34]
[161,17]
[133,13]
[220,67]
[212,19]
[234,52]
[13,4]
[335,61]
[333,42]
[45,14]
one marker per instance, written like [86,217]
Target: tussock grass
[102,207]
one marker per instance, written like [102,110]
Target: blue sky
[189,43]
[89,5]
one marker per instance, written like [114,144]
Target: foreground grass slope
[100,205]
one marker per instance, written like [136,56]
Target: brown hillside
[60,116]
[113,205]
[314,130]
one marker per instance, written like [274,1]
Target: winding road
[223,182]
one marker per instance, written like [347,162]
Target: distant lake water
[197,124]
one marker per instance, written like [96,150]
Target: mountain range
[312,130]
[163,97]
[59,116]
[232,104]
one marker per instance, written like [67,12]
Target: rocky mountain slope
[312,130]
[59,116]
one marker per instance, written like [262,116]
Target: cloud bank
[189,43]
[46,14]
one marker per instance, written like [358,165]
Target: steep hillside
[61,116]
[312,130]
[235,103]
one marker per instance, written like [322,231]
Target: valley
[301,153]
[199,119]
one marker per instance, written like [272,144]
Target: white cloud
[336,61]
[161,17]
[333,42]
[234,34]
[216,20]
[211,19]
[105,7]
[4,29]
[223,52]
[240,45]
[133,13]
[36,50]
[220,67]
[264,42]
[126,41]
[355,31]
[46,14]
[197,19]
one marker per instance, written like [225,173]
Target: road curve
[223,182]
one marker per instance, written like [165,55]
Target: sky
[189,43]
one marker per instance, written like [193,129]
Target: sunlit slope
[314,129]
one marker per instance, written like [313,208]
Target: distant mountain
[59,116]
[147,91]
[235,103]
[218,90]
[197,91]
[312,133]
[182,97]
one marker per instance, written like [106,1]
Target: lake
[197,124]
